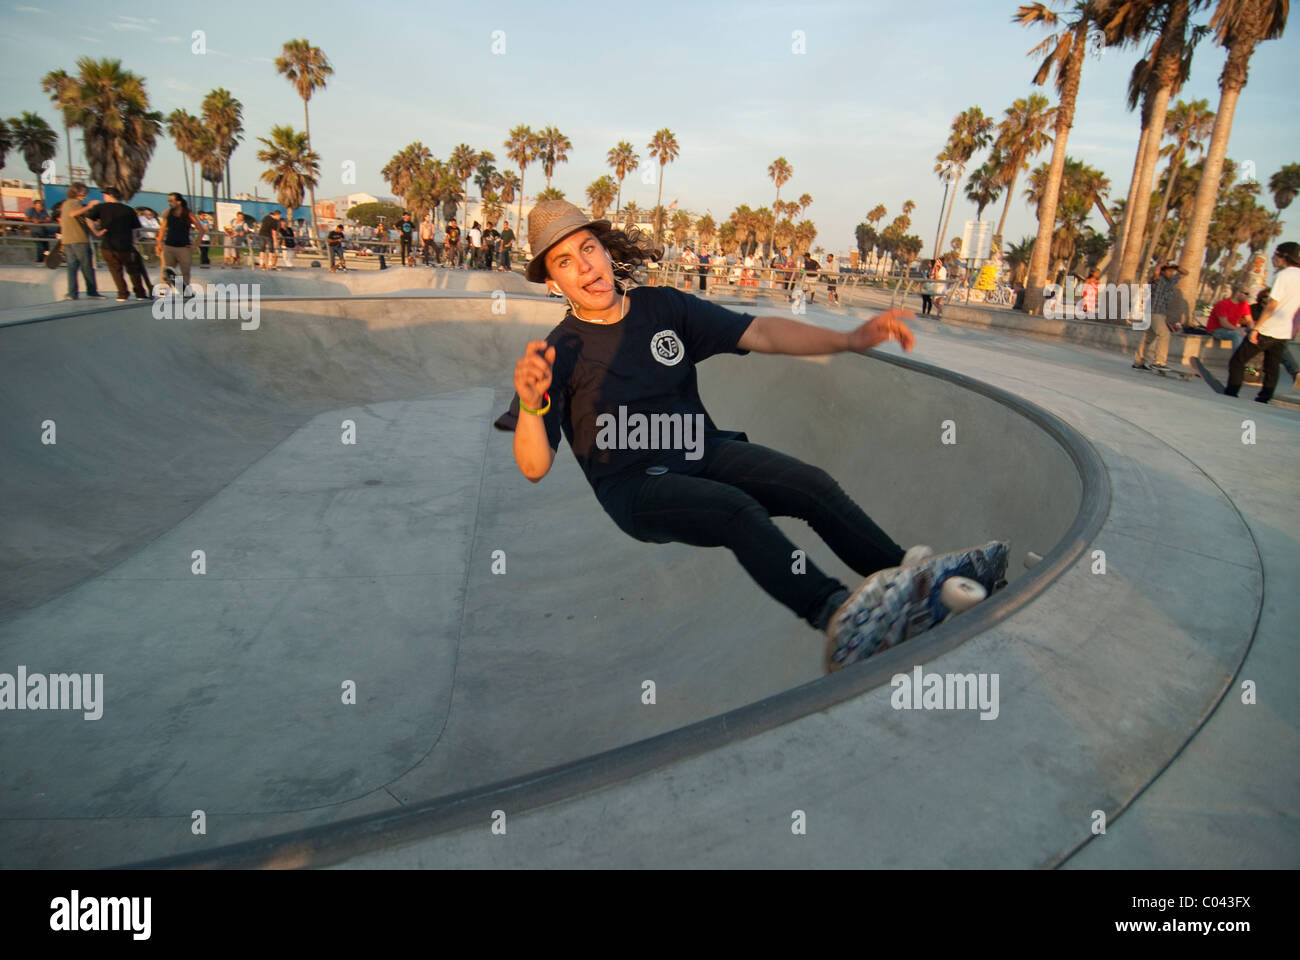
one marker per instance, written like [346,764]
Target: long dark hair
[628,249]
[185,207]
[1290,252]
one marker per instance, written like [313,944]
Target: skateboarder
[1275,327]
[625,357]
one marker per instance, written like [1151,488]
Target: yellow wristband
[537,413]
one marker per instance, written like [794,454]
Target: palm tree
[485,172]
[1284,185]
[657,217]
[1156,78]
[1081,189]
[550,193]
[623,159]
[522,149]
[1018,255]
[308,69]
[804,235]
[630,214]
[984,187]
[1022,135]
[59,86]
[876,214]
[1063,56]
[37,143]
[1188,124]
[294,166]
[463,162]
[554,148]
[1238,25]
[119,131]
[422,193]
[971,131]
[184,127]
[601,191]
[779,172]
[706,229]
[681,226]
[224,115]
[211,166]
[805,201]
[663,147]
[404,166]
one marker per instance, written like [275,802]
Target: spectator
[149,227]
[336,238]
[206,226]
[453,243]
[118,224]
[475,245]
[1275,328]
[41,227]
[507,245]
[269,237]
[405,235]
[933,286]
[426,239]
[1231,317]
[491,239]
[76,242]
[832,274]
[1091,287]
[288,243]
[1162,302]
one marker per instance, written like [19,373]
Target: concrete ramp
[403,618]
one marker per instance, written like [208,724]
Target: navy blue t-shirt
[625,395]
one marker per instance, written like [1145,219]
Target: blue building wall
[56,192]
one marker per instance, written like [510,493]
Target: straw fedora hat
[548,223]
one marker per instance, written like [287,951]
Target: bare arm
[777,334]
[532,448]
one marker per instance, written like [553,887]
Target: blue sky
[860,114]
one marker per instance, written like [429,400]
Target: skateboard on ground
[1170,372]
[55,257]
[898,603]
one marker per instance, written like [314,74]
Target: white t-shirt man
[1286,291]
[475,237]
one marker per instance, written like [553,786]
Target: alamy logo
[77,913]
[666,347]
[217,301]
[655,431]
[57,691]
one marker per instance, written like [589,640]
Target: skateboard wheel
[1032,560]
[961,593]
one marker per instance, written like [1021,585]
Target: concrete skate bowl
[390,635]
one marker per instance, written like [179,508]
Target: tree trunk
[1207,193]
[1126,219]
[659,202]
[1011,189]
[1129,266]
[619,203]
[1040,258]
[1158,224]
[311,190]
[1173,244]
[943,232]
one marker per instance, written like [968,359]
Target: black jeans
[1272,349]
[731,504]
[927,301]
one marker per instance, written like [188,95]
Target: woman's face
[582,270]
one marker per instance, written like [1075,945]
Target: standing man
[453,244]
[1276,325]
[475,246]
[76,241]
[507,244]
[269,234]
[1161,300]
[405,234]
[117,225]
[41,227]
[426,239]
[175,243]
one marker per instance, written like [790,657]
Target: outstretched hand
[884,327]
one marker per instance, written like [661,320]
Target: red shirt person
[1230,318]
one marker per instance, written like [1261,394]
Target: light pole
[948,176]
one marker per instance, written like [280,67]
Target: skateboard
[1171,372]
[898,603]
[55,257]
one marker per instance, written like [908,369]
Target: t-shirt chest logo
[666,347]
